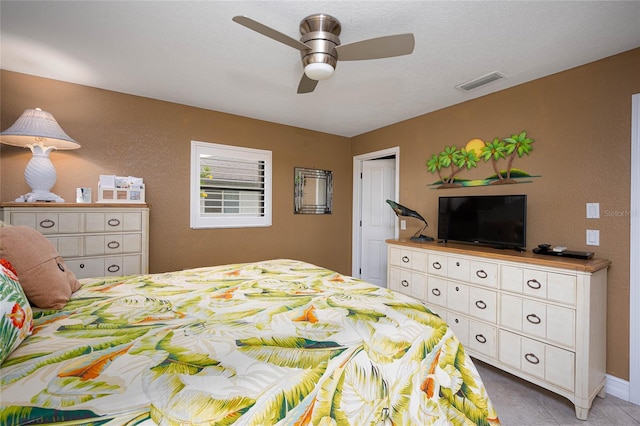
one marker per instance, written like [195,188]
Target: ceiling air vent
[480,81]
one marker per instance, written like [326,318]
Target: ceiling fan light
[318,71]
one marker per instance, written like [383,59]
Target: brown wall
[581,122]
[129,135]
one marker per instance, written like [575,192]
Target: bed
[275,342]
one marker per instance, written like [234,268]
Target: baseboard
[617,387]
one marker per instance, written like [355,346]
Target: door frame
[356,239]
[634,272]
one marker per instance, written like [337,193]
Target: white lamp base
[40,175]
[37,195]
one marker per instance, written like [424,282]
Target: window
[230,186]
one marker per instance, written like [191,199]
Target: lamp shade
[35,126]
[39,131]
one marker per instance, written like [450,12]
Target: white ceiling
[190,52]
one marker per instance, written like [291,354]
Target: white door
[378,219]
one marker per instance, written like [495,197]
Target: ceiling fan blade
[377,48]
[306,85]
[270,32]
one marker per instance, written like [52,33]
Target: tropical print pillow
[16,317]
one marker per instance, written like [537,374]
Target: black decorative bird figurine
[403,211]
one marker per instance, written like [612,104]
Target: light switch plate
[593,210]
[593,237]
[403,224]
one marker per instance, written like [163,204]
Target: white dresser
[542,318]
[94,239]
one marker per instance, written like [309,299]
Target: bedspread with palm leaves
[275,342]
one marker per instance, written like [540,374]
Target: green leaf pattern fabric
[16,318]
[275,342]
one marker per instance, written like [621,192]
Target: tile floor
[519,403]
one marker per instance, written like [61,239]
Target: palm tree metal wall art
[451,161]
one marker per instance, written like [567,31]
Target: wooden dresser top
[72,205]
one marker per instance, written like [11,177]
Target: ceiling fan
[320,46]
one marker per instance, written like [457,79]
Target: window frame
[197,221]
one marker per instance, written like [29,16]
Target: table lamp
[39,131]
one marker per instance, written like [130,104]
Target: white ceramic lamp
[39,131]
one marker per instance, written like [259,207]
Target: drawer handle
[405,259]
[113,244]
[47,223]
[480,304]
[456,320]
[113,268]
[61,267]
[436,292]
[404,283]
[457,288]
[437,265]
[82,266]
[113,222]
[481,339]
[532,358]
[481,274]
[534,319]
[534,284]
[457,263]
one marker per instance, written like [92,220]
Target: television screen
[492,220]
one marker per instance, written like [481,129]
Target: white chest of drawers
[95,240]
[538,317]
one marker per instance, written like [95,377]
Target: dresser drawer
[95,245]
[105,266]
[112,244]
[47,222]
[537,359]
[86,268]
[113,222]
[462,269]
[483,304]
[437,265]
[484,273]
[405,258]
[482,338]
[469,300]
[410,283]
[437,291]
[537,319]
[71,223]
[540,284]
[458,297]
[458,268]
[460,326]
[67,246]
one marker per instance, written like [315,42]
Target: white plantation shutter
[231,186]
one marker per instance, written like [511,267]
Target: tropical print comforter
[275,342]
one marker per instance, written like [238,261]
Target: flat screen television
[490,220]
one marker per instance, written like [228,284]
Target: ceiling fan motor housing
[320,32]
